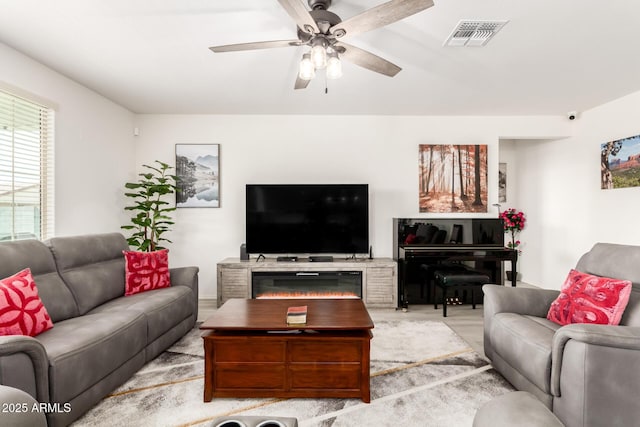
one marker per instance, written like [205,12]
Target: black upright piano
[479,241]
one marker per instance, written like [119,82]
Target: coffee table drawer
[325,351]
[325,377]
[250,376]
[258,350]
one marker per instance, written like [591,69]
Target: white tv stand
[379,276]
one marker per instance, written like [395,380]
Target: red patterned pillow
[145,271]
[21,309]
[585,298]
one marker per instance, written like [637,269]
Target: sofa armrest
[593,374]
[19,409]
[620,337]
[503,299]
[526,301]
[24,365]
[186,276]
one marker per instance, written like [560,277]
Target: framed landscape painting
[452,178]
[620,163]
[502,183]
[198,172]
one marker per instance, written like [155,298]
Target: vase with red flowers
[513,223]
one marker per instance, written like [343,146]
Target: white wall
[381,151]
[558,186]
[94,154]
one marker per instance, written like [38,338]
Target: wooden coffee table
[250,351]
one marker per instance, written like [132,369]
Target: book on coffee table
[297,315]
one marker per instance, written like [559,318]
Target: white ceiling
[152,56]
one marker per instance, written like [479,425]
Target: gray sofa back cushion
[56,297]
[92,266]
[618,262]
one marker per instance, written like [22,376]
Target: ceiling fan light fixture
[319,52]
[306,71]
[334,66]
[320,30]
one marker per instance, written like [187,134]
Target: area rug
[422,374]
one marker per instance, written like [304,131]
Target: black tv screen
[308,219]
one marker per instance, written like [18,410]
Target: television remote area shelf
[379,276]
[321,258]
[312,258]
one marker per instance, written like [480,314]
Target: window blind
[26,169]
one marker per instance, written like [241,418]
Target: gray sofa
[586,374]
[100,337]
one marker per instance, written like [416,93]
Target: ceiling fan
[324,31]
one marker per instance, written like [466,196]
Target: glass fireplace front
[306,284]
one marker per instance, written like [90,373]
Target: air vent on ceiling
[473,33]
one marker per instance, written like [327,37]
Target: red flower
[514,222]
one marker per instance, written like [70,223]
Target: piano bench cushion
[465,277]
[428,270]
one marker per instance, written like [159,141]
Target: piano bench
[460,279]
[427,272]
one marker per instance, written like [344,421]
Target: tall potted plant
[513,223]
[150,210]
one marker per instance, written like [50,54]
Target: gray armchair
[588,375]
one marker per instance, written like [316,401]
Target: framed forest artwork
[198,175]
[452,178]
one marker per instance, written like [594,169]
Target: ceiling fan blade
[379,16]
[254,45]
[301,84]
[367,60]
[299,13]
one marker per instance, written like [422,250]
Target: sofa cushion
[21,309]
[145,271]
[33,254]
[84,350]
[164,308]
[92,266]
[524,342]
[586,298]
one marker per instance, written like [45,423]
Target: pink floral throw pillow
[585,298]
[21,309]
[145,271]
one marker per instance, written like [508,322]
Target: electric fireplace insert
[307,284]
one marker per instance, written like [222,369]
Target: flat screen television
[307,219]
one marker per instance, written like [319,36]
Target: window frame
[30,137]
